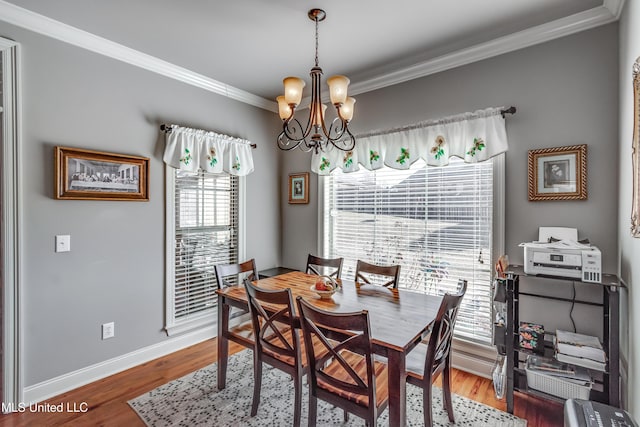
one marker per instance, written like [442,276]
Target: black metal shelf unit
[516,376]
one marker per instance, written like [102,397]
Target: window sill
[205,320]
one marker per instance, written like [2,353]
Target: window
[202,228]
[436,222]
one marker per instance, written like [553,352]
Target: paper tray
[557,386]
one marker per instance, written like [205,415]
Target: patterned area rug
[194,400]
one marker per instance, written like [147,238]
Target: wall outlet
[108,330]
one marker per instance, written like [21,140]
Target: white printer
[558,253]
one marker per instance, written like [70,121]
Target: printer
[558,253]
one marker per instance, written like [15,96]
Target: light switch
[63,243]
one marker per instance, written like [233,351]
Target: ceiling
[252,45]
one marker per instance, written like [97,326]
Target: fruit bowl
[323,294]
[324,287]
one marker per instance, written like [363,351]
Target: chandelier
[316,136]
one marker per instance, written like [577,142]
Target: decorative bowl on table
[325,287]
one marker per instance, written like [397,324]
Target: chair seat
[415,361]
[244,330]
[359,364]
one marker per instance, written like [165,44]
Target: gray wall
[566,93]
[629,247]
[116,268]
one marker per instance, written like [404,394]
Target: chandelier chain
[316,41]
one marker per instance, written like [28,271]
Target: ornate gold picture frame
[558,173]
[635,152]
[96,175]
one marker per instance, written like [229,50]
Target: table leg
[223,341]
[397,389]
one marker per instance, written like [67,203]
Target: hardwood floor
[106,400]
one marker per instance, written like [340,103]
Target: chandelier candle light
[316,136]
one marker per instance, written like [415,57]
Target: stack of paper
[579,349]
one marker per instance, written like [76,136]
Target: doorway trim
[12,390]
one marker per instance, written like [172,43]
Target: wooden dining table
[399,320]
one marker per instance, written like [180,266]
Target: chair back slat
[387,275]
[346,345]
[439,347]
[226,271]
[324,266]
[270,311]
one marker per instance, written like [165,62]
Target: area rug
[194,400]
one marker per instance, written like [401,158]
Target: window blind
[206,234]
[436,222]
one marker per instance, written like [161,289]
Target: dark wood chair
[343,372]
[431,358]
[231,275]
[331,267]
[388,275]
[277,342]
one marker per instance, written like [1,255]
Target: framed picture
[635,152]
[558,173]
[95,175]
[299,188]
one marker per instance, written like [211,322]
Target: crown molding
[535,35]
[51,28]
[615,7]
[609,12]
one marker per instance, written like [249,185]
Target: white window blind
[206,234]
[436,222]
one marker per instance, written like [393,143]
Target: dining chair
[342,370]
[432,357]
[322,266]
[277,342]
[387,276]
[230,275]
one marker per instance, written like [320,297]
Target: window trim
[204,319]
[12,224]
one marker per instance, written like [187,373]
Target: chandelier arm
[352,140]
[315,108]
[288,130]
[286,137]
[339,111]
[340,133]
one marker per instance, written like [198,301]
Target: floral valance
[192,149]
[473,137]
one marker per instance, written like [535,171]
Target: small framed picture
[96,175]
[299,188]
[558,173]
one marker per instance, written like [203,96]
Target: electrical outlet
[108,330]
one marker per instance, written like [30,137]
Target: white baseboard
[468,357]
[63,383]
[472,364]
[474,358]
